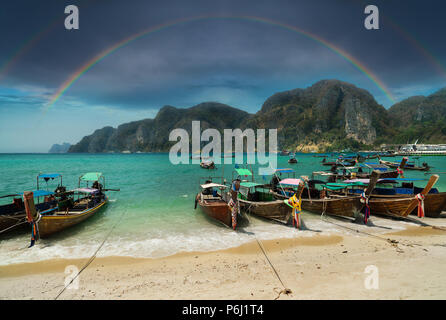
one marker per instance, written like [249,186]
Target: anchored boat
[213,200]
[332,199]
[81,204]
[257,199]
[397,188]
[13,215]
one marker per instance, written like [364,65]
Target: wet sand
[410,265]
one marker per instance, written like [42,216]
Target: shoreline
[410,266]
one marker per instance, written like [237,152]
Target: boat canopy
[284,170]
[291,182]
[91,176]
[250,184]
[340,186]
[213,185]
[243,172]
[400,179]
[40,193]
[85,190]
[49,175]
[384,180]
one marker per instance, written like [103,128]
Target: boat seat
[210,197]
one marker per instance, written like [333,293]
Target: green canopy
[243,172]
[250,184]
[340,186]
[91,176]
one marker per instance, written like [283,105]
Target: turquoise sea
[155,205]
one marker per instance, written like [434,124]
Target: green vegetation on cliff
[330,115]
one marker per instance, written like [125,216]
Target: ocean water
[155,207]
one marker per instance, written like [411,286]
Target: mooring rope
[13,226]
[92,257]
[388,240]
[285,290]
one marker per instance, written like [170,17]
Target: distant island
[330,115]
[60,148]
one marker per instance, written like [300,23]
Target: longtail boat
[324,201]
[215,204]
[408,166]
[256,198]
[400,206]
[207,164]
[351,173]
[292,158]
[13,215]
[339,163]
[81,204]
[434,201]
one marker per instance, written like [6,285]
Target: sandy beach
[410,265]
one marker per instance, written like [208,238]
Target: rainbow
[26,47]
[99,57]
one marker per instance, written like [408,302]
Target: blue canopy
[49,175]
[40,193]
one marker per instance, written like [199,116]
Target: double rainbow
[102,55]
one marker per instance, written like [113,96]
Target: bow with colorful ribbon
[296,204]
[400,172]
[234,212]
[365,200]
[420,197]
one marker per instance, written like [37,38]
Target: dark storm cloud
[218,59]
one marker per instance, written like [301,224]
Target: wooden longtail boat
[215,204]
[257,199]
[408,166]
[339,163]
[434,202]
[316,201]
[292,160]
[325,202]
[399,207]
[349,174]
[207,165]
[13,215]
[72,211]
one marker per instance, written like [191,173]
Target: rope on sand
[92,257]
[388,240]
[285,289]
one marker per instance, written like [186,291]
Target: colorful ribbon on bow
[296,204]
[420,197]
[365,200]
[234,212]
[400,172]
[34,233]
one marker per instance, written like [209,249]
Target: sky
[130,58]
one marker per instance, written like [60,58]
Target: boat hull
[434,203]
[396,165]
[49,225]
[393,207]
[275,210]
[217,210]
[343,206]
